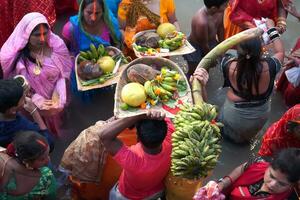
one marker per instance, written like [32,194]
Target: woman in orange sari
[141,15]
[240,14]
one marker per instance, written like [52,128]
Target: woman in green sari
[24,174]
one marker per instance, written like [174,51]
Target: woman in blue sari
[95,24]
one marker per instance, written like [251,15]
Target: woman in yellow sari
[141,15]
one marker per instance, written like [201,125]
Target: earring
[28,166]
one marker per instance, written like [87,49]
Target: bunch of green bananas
[164,85]
[93,54]
[196,141]
[172,43]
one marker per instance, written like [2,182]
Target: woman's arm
[227,181]
[278,46]
[173,19]
[281,19]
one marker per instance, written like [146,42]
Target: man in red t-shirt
[146,164]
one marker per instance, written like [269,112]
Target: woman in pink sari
[33,51]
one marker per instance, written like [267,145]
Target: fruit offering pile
[164,40]
[96,65]
[196,141]
[149,87]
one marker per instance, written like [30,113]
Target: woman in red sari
[283,134]
[261,180]
[12,11]
[239,14]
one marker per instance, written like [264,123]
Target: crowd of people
[38,83]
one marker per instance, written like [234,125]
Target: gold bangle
[281,23]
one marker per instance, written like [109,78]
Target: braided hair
[29,146]
[137,9]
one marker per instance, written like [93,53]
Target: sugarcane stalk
[210,59]
[197,92]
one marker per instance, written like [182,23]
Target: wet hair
[287,161]
[11,91]
[215,3]
[85,3]
[29,146]
[151,133]
[249,67]
[25,52]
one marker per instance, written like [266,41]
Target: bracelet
[273,34]
[231,181]
[31,113]
[273,29]
[274,38]
[281,23]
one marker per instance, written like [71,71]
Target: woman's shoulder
[273,63]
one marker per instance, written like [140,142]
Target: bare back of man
[206,31]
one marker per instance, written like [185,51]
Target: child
[12,100]
[207,31]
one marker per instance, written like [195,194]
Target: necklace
[38,68]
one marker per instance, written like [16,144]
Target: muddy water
[80,115]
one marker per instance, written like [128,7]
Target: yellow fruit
[164,29]
[133,94]
[106,63]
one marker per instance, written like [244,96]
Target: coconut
[107,64]
[165,29]
[133,94]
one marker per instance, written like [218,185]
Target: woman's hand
[221,186]
[29,106]
[156,115]
[50,108]
[292,62]
[291,8]
[270,23]
[202,75]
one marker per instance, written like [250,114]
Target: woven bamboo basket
[157,63]
[186,48]
[109,82]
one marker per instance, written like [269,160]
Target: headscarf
[109,18]
[277,137]
[18,40]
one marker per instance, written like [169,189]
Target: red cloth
[277,138]
[12,11]
[252,175]
[248,10]
[290,93]
[143,174]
